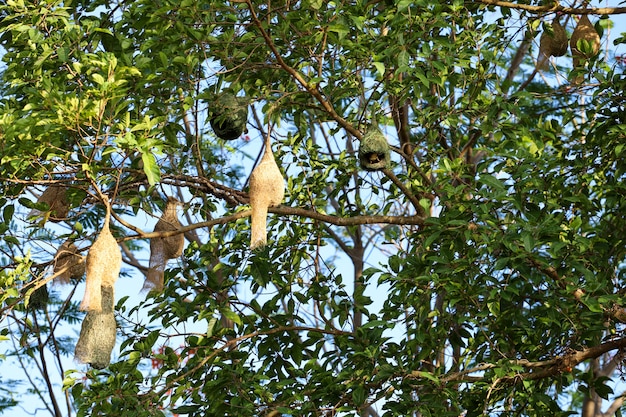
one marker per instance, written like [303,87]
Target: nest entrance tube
[228,116]
[374,150]
[98,333]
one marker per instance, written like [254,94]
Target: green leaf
[7,213]
[529,242]
[375,323]
[494,308]
[231,315]
[380,68]
[493,182]
[151,168]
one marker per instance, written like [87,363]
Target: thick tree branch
[569,361]
[289,211]
[540,369]
[555,7]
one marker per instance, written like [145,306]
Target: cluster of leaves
[474,276]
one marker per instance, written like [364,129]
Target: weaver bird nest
[374,150]
[164,248]
[553,42]
[267,189]
[68,264]
[104,262]
[55,196]
[228,116]
[585,44]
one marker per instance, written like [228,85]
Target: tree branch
[289,211]
[555,7]
[414,200]
[615,405]
[545,369]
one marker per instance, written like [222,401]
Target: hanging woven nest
[164,248]
[228,116]
[55,196]
[68,264]
[374,150]
[98,333]
[585,44]
[104,262]
[267,189]
[553,42]
[39,298]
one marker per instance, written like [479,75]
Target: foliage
[480,273]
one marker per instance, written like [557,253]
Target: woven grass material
[164,248]
[39,298]
[374,150]
[55,196]
[228,116]
[553,42]
[98,332]
[68,263]
[267,189]
[584,32]
[104,262]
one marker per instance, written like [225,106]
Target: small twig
[311,89]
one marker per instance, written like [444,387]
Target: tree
[479,272]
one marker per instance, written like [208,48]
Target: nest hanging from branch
[267,189]
[68,263]
[553,42]
[585,36]
[39,298]
[164,248]
[104,262]
[98,332]
[374,150]
[228,116]
[55,196]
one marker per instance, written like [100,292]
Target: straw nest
[68,264]
[164,248]
[267,189]
[553,42]
[228,116]
[98,333]
[55,196]
[586,37]
[374,150]
[104,262]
